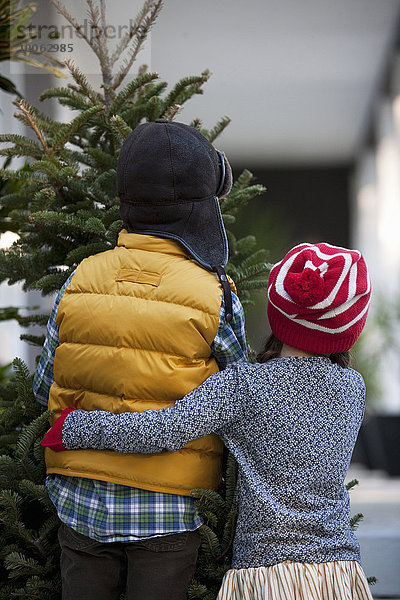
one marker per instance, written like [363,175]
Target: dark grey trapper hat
[169,179]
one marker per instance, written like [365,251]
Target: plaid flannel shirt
[109,512]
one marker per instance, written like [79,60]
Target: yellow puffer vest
[135,328]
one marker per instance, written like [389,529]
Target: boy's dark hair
[273,348]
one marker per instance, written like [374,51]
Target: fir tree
[64,207]
[28,524]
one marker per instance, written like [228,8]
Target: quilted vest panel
[135,328]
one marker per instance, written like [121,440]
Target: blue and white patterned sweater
[291,423]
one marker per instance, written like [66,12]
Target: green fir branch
[75,256]
[46,124]
[246,245]
[8,313]
[208,517]
[229,532]
[253,284]
[49,168]
[27,467]
[68,131]
[351,484]
[8,471]
[228,219]
[121,127]
[239,198]
[172,112]
[231,474]
[243,181]
[49,284]
[127,94]
[23,146]
[135,28]
[43,199]
[106,180]
[33,340]
[29,117]
[34,492]
[101,159]
[63,222]
[82,82]
[52,523]
[216,131]
[198,591]
[155,108]
[260,269]
[185,89]
[23,378]
[19,566]
[139,38]
[210,544]
[24,176]
[68,97]
[11,503]
[256,258]
[196,124]
[113,232]
[209,500]
[356,520]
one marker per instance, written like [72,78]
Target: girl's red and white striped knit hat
[319,297]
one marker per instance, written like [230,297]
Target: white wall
[376,220]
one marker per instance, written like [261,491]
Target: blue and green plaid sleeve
[229,345]
[44,376]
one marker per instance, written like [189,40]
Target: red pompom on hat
[318,298]
[305,288]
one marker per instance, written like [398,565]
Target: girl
[291,422]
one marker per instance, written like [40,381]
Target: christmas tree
[64,207]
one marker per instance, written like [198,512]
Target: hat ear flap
[226,185]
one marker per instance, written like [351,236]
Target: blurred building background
[313,91]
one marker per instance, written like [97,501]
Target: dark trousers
[155,569]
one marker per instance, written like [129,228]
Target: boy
[135,328]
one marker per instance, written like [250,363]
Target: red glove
[53,438]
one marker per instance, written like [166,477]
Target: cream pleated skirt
[341,580]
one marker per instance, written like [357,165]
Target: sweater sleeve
[215,405]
